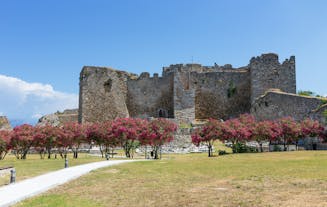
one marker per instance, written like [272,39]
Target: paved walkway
[19,191]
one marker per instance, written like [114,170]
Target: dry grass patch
[247,180]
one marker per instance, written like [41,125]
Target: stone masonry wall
[103,94]
[275,104]
[184,92]
[266,72]
[222,95]
[59,118]
[184,97]
[150,97]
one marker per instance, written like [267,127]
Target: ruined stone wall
[267,72]
[184,92]
[222,95]
[103,94]
[150,96]
[320,114]
[276,104]
[59,118]
[4,123]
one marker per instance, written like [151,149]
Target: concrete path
[19,191]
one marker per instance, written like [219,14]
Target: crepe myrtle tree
[156,133]
[126,130]
[95,135]
[63,142]
[312,128]
[265,131]
[76,135]
[45,138]
[22,140]
[5,137]
[290,131]
[109,140]
[235,131]
[208,134]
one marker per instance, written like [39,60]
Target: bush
[243,148]
[222,152]
[277,148]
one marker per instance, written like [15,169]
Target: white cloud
[22,100]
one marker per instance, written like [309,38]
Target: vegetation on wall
[231,90]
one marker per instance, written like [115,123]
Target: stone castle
[265,87]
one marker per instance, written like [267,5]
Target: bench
[5,170]
[8,170]
[112,155]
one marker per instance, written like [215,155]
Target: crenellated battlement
[271,58]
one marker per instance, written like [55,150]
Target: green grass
[34,166]
[260,179]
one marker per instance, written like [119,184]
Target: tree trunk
[261,149]
[49,153]
[101,151]
[285,145]
[156,153]
[209,150]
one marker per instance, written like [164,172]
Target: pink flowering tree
[45,139]
[208,134]
[102,135]
[126,130]
[290,131]
[312,128]
[110,141]
[63,142]
[5,137]
[265,131]
[236,132]
[76,135]
[22,140]
[95,134]
[156,133]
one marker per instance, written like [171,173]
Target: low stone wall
[276,104]
[59,118]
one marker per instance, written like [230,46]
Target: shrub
[243,148]
[222,152]
[277,148]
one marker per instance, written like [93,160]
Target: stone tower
[267,72]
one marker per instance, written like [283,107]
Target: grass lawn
[34,166]
[261,179]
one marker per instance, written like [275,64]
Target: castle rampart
[184,92]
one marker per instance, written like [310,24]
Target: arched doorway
[162,113]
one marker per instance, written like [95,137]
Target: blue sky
[44,44]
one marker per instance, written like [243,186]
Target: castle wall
[274,105]
[150,97]
[103,94]
[222,95]
[266,73]
[184,97]
[186,92]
